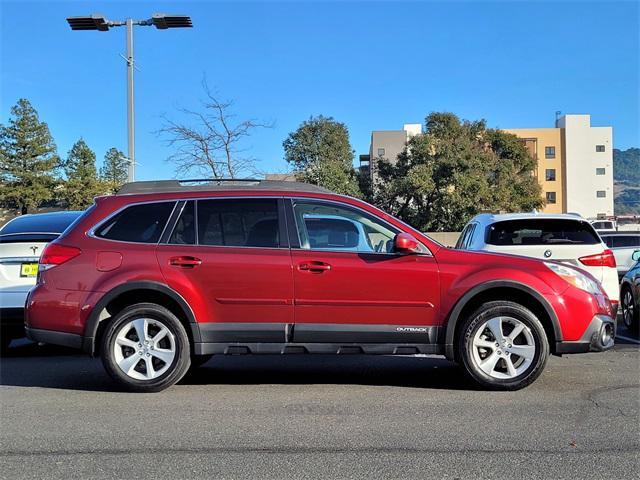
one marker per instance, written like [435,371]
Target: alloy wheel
[503,347]
[144,348]
[627,308]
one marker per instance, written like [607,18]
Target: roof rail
[215,184]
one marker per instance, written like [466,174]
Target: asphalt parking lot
[320,416]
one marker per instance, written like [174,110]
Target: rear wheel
[145,348]
[503,346]
[630,314]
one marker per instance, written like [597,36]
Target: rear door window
[138,223]
[541,232]
[239,223]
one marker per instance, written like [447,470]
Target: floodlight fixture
[162,21]
[91,22]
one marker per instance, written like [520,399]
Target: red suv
[165,274]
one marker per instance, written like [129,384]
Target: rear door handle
[185,262]
[314,267]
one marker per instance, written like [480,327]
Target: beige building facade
[545,146]
[575,165]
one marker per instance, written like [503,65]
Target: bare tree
[211,144]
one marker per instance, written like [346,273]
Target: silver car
[622,244]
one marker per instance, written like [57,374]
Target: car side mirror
[635,256]
[406,244]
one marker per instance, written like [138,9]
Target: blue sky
[371,65]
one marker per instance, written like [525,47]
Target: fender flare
[93,320]
[454,316]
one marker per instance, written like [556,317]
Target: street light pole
[161,21]
[131,139]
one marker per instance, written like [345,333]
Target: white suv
[564,238]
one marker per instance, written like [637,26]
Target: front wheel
[145,348]
[630,314]
[503,346]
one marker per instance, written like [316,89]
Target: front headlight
[575,277]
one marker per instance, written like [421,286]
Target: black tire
[510,310]
[177,368]
[632,322]
[199,360]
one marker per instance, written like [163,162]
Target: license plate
[28,269]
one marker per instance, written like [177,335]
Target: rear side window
[137,223]
[622,241]
[238,223]
[541,232]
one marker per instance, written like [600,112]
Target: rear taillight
[55,254]
[604,259]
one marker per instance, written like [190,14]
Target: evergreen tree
[114,171]
[321,154]
[28,160]
[83,183]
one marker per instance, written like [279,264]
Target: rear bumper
[55,338]
[598,337]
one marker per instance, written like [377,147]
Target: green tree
[320,153]
[82,183]
[114,169]
[455,170]
[28,159]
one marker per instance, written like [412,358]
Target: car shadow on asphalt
[30,365]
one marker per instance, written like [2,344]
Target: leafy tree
[82,183]
[320,153]
[28,159]
[455,170]
[114,171]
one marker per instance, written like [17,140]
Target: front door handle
[314,267]
[184,262]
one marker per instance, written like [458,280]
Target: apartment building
[575,162]
[387,144]
[575,165]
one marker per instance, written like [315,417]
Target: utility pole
[161,21]
[131,136]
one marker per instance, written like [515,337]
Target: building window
[549,152]
[601,194]
[551,197]
[599,148]
[550,175]
[600,171]
[381,152]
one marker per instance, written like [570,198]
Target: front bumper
[598,337]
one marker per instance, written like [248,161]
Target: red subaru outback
[165,274]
